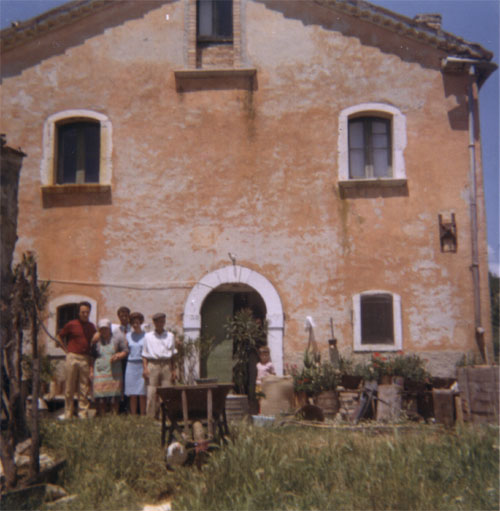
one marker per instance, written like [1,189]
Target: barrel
[329,402]
[237,407]
[279,395]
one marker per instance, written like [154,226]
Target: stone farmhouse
[317,158]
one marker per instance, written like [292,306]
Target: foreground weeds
[304,469]
[116,463]
[112,463]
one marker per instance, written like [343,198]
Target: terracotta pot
[385,379]
[329,402]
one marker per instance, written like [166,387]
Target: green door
[216,309]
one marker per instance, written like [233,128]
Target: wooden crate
[479,393]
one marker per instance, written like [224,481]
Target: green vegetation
[314,377]
[116,463]
[247,335]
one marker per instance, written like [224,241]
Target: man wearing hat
[158,358]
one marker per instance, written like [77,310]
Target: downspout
[478,328]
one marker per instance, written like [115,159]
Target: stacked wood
[479,393]
[348,403]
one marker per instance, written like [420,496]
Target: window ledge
[76,188]
[217,78]
[367,348]
[215,73]
[386,182]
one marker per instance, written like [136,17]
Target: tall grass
[304,469]
[112,462]
[117,463]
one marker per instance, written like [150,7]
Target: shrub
[314,377]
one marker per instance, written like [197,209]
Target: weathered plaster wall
[254,172]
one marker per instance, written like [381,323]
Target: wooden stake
[35,448]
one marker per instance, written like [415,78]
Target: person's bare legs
[142,404]
[133,404]
[115,405]
[100,406]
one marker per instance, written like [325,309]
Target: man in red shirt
[78,335]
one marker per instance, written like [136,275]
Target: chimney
[430,20]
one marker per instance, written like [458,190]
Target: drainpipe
[478,328]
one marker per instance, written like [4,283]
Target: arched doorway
[243,284]
[219,305]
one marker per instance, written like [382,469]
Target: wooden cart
[189,403]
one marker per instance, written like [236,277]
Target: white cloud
[493,261]
[494,268]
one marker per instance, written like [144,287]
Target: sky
[474,20]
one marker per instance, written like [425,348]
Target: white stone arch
[236,274]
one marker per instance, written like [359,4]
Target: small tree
[190,353]
[26,300]
[248,335]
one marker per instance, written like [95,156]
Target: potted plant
[351,375]
[305,380]
[318,381]
[387,369]
[191,353]
[412,368]
[328,378]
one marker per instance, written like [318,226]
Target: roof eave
[444,41]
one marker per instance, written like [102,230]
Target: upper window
[214,20]
[372,138]
[78,152]
[77,148]
[369,148]
[377,321]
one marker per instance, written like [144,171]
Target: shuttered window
[369,148]
[78,152]
[215,20]
[377,321]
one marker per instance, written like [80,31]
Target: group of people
[116,361]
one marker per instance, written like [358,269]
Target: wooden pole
[35,448]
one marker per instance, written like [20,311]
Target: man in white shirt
[158,360]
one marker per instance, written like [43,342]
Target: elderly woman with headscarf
[107,374]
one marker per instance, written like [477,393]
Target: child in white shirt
[264,366]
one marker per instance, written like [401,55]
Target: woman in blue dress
[135,387]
